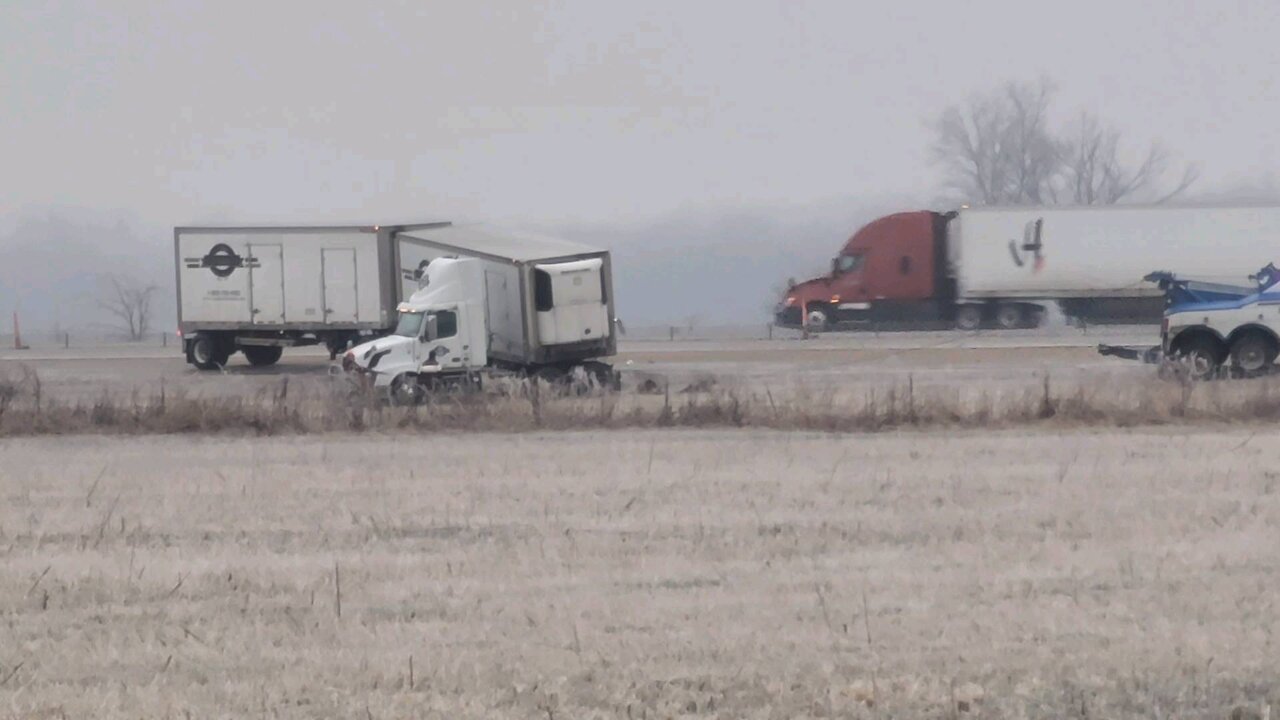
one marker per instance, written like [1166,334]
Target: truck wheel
[207,353]
[1201,355]
[1253,352]
[262,356]
[969,317]
[603,375]
[560,381]
[1009,316]
[818,320]
[336,346]
[406,391]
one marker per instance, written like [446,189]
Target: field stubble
[748,573]
[308,404]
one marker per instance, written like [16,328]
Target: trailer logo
[222,261]
[1032,247]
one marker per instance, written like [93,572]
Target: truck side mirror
[432,327]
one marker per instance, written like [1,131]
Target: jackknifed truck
[492,305]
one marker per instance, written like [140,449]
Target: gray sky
[579,111]
[608,116]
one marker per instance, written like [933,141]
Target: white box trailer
[1092,261]
[261,289]
[1105,251]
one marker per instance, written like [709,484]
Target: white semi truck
[495,305]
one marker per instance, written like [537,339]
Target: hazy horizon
[717,147]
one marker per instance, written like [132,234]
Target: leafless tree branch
[1000,148]
[130,303]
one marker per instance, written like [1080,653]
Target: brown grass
[331,406]
[696,574]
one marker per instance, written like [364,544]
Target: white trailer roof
[500,242]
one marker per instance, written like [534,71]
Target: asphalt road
[844,359]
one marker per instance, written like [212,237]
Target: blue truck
[1214,329]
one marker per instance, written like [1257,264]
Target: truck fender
[1178,341]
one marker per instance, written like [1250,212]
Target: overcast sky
[569,112]
[718,147]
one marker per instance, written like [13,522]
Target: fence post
[164,339]
[769,328]
[66,340]
[672,332]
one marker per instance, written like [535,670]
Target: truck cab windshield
[848,263]
[409,324]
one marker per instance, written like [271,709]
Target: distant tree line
[1002,147]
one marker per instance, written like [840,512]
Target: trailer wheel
[1253,352]
[603,375]
[969,317]
[1009,316]
[207,353]
[560,381]
[262,356]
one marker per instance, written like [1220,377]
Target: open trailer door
[570,302]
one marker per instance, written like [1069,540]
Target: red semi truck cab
[893,269]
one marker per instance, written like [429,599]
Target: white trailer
[492,301]
[1096,254]
[261,289]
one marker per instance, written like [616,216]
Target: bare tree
[1000,149]
[129,302]
[1094,171]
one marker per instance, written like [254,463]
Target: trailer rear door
[340,290]
[266,284]
[570,301]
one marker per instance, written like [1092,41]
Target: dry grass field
[649,574]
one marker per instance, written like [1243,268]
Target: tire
[207,354]
[1010,316]
[559,380]
[406,391]
[969,317]
[1253,352]
[603,375]
[262,356]
[336,346]
[1201,355]
[818,321]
